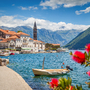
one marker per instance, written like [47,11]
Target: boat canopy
[26,48]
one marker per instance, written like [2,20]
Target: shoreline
[9,79]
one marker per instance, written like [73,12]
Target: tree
[19,31]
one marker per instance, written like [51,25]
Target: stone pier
[10,80]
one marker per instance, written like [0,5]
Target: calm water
[23,64]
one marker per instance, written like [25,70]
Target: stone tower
[35,31]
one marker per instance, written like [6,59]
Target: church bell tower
[35,31]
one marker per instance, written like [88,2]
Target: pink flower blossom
[54,83]
[88,47]
[88,73]
[78,57]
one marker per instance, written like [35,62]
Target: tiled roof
[9,39]
[21,33]
[31,39]
[13,33]
[8,32]
[4,40]
[38,41]
[56,44]
[14,37]
[1,38]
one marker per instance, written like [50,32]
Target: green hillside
[80,41]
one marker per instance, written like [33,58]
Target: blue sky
[49,14]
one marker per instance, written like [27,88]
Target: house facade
[13,40]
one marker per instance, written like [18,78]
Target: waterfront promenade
[10,80]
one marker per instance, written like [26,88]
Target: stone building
[13,40]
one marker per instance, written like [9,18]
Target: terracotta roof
[4,40]
[8,32]
[13,37]
[31,39]
[38,41]
[56,44]
[9,39]
[21,33]
[1,38]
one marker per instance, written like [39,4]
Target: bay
[23,64]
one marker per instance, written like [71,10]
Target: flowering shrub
[79,57]
[53,83]
[88,73]
[65,84]
[87,47]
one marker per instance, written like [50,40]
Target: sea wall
[10,80]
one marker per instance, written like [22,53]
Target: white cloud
[23,8]
[11,21]
[66,3]
[87,10]
[28,8]
[13,4]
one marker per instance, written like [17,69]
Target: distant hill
[80,40]
[61,37]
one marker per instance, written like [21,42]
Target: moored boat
[62,50]
[4,53]
[12,54]
[50,72]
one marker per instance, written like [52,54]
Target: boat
[12,54]
[51,72]
[62,50]
[4,53]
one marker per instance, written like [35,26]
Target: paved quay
[10,80]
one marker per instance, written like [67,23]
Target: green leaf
[70,53]
[86,56]
[87,65]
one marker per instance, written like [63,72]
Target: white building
[13,40]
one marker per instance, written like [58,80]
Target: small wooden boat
[50,72]
[62,50]
[4,54]
[12,54]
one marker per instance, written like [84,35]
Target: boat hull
[4,54]
[50,72]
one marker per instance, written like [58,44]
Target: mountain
[60,36]
[80,41]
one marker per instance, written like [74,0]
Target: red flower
[71,88]
[78,57]
[88,47]
[88,73]
[54,83]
